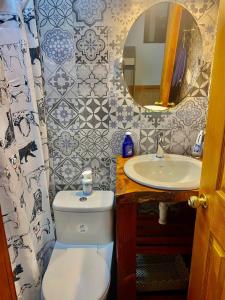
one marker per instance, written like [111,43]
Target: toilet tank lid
[72,201]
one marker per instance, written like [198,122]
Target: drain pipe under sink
[163,209]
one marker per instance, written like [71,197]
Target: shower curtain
[23,149]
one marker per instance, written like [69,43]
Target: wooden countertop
[129,188]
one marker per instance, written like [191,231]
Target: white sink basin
[172,172]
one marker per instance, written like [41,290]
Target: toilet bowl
[80,269]
[78,273]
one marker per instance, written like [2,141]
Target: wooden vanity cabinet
[140,233]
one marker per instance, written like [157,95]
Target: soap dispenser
[128,145]
[198,147]
[87,182]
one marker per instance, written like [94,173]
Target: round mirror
[162,56]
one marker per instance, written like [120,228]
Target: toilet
[79,268]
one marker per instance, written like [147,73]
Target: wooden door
[207,278]
[7,288]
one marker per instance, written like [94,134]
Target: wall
[88,106]
[149,56]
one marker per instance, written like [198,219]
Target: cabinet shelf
[161,273]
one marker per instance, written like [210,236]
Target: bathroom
[71,106]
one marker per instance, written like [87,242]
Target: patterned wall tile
[124,12]
[68,171]
[94,143]
[101,171]
[94,113]
[65,142]
[91,44]
[124,117]
[55,13]
[189,112]
[58,45]
[200,87]
[148,140]
[200,8]
[89,107]
[151,120]
[113,174]
[182,140]
[207,28]
[92,80]
[61,81]
[89,11]
[65,114]
[116,40]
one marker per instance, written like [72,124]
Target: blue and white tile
[58,45]
[68,171]
[61,81]
[89,12]
[189,112]
[66,142]
[65,114]
[55,13]
[124,117]
[91,44]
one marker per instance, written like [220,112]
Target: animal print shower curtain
[23,149]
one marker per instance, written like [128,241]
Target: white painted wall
[149,56]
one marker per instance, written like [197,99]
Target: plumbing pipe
[163,208]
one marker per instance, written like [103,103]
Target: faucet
[159,147]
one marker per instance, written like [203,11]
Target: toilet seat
[76,274]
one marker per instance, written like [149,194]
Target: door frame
[7,287]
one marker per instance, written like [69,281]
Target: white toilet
[79,268]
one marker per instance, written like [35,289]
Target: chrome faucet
[159,148]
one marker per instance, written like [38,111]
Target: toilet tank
[83,219]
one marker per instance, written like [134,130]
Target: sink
[172,172]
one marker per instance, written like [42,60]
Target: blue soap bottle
[128,145]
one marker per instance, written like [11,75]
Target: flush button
[83,199]
[82,228]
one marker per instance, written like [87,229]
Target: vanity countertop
[128,187]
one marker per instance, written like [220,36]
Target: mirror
[162,56]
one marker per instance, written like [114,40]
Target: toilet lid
[76,274]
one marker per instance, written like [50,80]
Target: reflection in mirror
[162,56]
